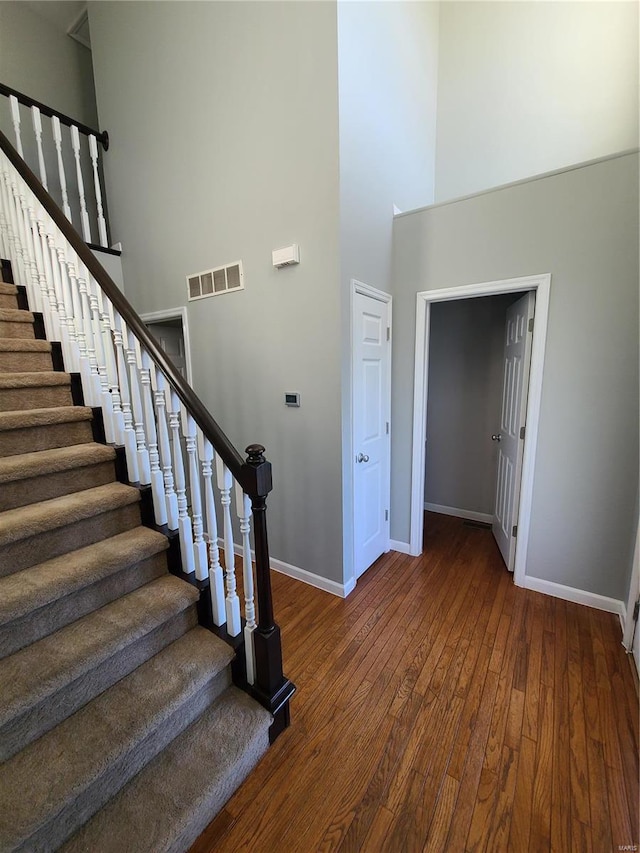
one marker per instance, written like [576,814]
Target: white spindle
[15,118]
[102,225]
[130,445]
[57,138]
[79,318]
[164,447]
[117,417]
[243,510]
[157,480]
[24,270]
[84,216]
[199,545]
[106,401]
[37,129]
[216,581]
[144,467]
[184,522]
[225,483]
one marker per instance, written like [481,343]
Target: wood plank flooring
[441,708]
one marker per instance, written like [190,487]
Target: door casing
[542,286]
[174,314]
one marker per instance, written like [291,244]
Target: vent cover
[216,281]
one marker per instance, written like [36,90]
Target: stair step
[74,769]
[52,473]
[169,803]
[15,323]
[8,295]
[44,598]
[37,390]
[41,531]
[43,429]
[20,354]
[51,679]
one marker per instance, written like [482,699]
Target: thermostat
[292,398]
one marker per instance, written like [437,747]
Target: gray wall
[466,358]
[528,87]
[37,58]
[582,227]
[387,61]
[225,147]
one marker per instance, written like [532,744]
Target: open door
[510,438]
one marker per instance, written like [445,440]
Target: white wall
[582,227]
[529,87]
[225,146]
[466,364]
[387,60]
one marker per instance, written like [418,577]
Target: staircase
[120,729]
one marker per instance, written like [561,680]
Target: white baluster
[84,216]
[57,138]
[117,417]
[157,480]
[199,545]
[243,510]
[15,118]
[102,225]
[79,317]
[5,240]
[24,267]
[144,467]
[96,388]
[106,401]
[216,581]
[225,482]
[184,522]
[37,129]
[57,285]
[130,445]
[164,447]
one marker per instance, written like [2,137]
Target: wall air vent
[216,281]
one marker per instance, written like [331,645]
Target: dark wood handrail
[101,136]
[252,478]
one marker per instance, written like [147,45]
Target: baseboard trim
[459,513]
[402,547]
[577,596]
[298,574]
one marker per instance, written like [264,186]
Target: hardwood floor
[442,708]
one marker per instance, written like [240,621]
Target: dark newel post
[271,688]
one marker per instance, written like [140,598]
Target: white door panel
[517,356]
[371,371]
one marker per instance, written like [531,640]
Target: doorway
[540,284]
[170,328]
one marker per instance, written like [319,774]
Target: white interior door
[170,336]
[371,411]
[510,438]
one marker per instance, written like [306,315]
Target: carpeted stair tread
[44,417]
[165,807]
[70,667]
[73,770]
[38,586]
[24,345]
[8,289]
[26,465]
[26,521]
[33,380]
[15,315]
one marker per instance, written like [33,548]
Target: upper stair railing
[50,145]
[148,408]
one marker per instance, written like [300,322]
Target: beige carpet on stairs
[119,727]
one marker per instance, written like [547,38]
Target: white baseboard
[402,547]
[335,588]
[317,581]
[577,596]
[484,517]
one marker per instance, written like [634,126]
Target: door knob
[497,437]
[362,457]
